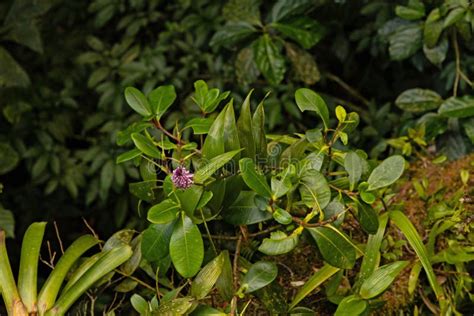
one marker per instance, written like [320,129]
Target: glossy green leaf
[269,60]
[7,221]
[334,246]
[279,243]
[161,99]
[308,100]
[155,241]
[433,28]
[146,146]
[353,165]
[200,125]
[314,190]
[224,283]
[303,30]
[351,306]
[381,279]
[367,217]
[143,190]
[454,16]
[244,211]
[207,277]
[458,107]
[282,216]
[128,155]
[386,173]
[410,12]
[232,33]
[8,287]
[164,212]
[259,275]
[245,129]
[437,54]
[137,101]
[189,198]
[140,305]
[286,8]
[405,41]
[231,134]
[177,306]
[28,272]
[186,247]
[258,128]
[206,171]
[418,100]
[203,310]
[253,178]
[214,143]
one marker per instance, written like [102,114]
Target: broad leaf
[200,125]
[405,41]
[418,100]
[137,101]
[186,247]
[458,107]
[206,171]
[269,60]
[11,73]
[433,28]
[303,30]
[314,190]
[253,179]
[334,246]
[189,198]
[381,279]
[207,277]
[244,211]
[232,33]
[386,173]
[367,217]
[146,146]
[286,8]
[259,275]
[351,306]
[353,165]
[163,212]
[278,243]
[214,143]
[161,99]
[9,158]
[155,241]
[308,100]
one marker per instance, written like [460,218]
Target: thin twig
[59,238]
[92,231]
[225,237]
[458,64]
[348,88]
[235,274]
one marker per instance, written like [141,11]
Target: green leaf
[155,241]
[231,134]
[137,101]
[140,304]
[143,190]
[146,146]
[242,10]
[433,28]
[232,33]
[203,310]
[224,283]
[410,12]
[11,73]
[186,247]
[454,16]
[405,41]
[161,99]
[246,69]
[279,243]
[7,221]
[282,216]
[25,32]
[386,173]
[189,199]
[314,190]
[269,60]
[8,287]
[245,129]
[458,107]
[437,54]
[107,262]
[286,8]
[177,306]
[8,158]
[128,155]
[308,100]
[367,217]
[244,211]
[51,287]
[259,275]
[304,65]
[258,128]
[351,306]
[381,279]
[334,247]
[200,125]
[207,277]
[315,281]
[163,212]
[27,274]
[407,228]
[418,100]
[205,172]
[353,165]
[214,143]
[253,179]
[303,30]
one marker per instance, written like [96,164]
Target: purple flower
[182,178]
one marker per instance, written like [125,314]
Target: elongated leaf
[381,279]
[258,127]
[205,172]
[253,179]
[177,306]
[231,134]
[278,243]
[137,101]
[407,228]
[314,190]
[9,158]
[7,221]
[269,60]
[207,277]
[287,8]
[155,241]
[163,212]
[351,306]
[245,129]
[8,287]
[259,275]
[433,28]
[129,155]
[386,173]
[11,73]
[405,41]
[200,125]
[353,165]
[224,283]
[108,261]
[146,146]
[214,143]
[161,99]
[308,100]
[27,275]
[50,289]
[186,247]
[315,281]
[336,250]
[303,30]
[367,217]
[232,33]
[189,199]
[244,211]
[418,100]
[458,107]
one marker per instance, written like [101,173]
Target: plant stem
[235,274]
